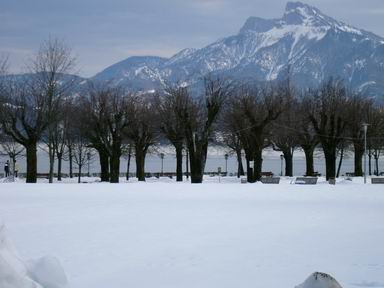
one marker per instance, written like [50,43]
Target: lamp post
[365,125]
[162,163]
[226,163]
[281,164]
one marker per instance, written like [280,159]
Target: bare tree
[171,125]
[93,108]
[375,135]
[251,111]
[53,61]
[60,137]
[23,117]
[81,152]
[199,116]
[306,136]
[231,139]
[284,129]
[326,110]
[105,113]
[142,129]
[76,137]
[357,114]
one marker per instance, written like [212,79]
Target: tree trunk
[377,164]
[254,173]
[250,178]
[79,176]
[129,161]
[31,163]
[288,157]
[59,163]
[258,164]
[370,162]
[197,160]
[196,172]
[115,164]
[51,153]
[70,155]
[140,164]
[309,163]
[240,168]
[359,152]
[330,163]
[187,165]
[104,165]
[13,159]
[340,162]
[179,163]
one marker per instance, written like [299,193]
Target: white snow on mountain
[314,46]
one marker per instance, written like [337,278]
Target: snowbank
[14,273]
[320,280]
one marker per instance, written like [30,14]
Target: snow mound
[319,280]
[45,272]
[48,272]
[13,272]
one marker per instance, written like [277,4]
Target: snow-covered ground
[161,234]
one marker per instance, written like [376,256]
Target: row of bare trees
[43,109]
[279,116]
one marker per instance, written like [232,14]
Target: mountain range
[309,44]
[313,46]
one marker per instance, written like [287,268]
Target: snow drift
[45,272]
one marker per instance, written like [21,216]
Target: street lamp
[365,125]
[226,163]
[281,164]
[162,163]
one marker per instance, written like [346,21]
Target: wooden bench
[267,174]
[270,180]
[42,175]
[377,180]
[306,180]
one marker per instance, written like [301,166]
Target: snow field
[210,235]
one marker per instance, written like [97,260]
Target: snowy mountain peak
[258,24]
[297,13]
[300,10]
[314,46]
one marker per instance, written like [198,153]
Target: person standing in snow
[16,169]
[6,168]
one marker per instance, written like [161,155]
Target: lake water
[215,159]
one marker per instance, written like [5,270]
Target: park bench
[306,180]
[270,180]
[165,174]
[377,180]
[267,174]
[42,175]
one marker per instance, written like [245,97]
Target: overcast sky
[101,33]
